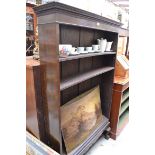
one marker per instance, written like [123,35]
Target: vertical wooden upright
[48,48]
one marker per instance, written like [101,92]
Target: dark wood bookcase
[66,78]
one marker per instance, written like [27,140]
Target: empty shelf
[125,96]
[83,76]
[123,120]
[124,106]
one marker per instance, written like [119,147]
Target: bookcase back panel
[85,86]
[69,35]
[85,64]
[103,61]
[85,37]
[96,81]
[97,62]
[69,68]
[69,93]
[108,60]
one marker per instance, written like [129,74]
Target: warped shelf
[83,76]
[85,56]
[124,106]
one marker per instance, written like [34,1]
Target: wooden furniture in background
[69,77]
[120,106]
[122,42]
[123,45]
[35,117]
[122,67]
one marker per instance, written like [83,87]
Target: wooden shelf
[85,56]
[82,77]
[125,96]
[123,121]
[124,106]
